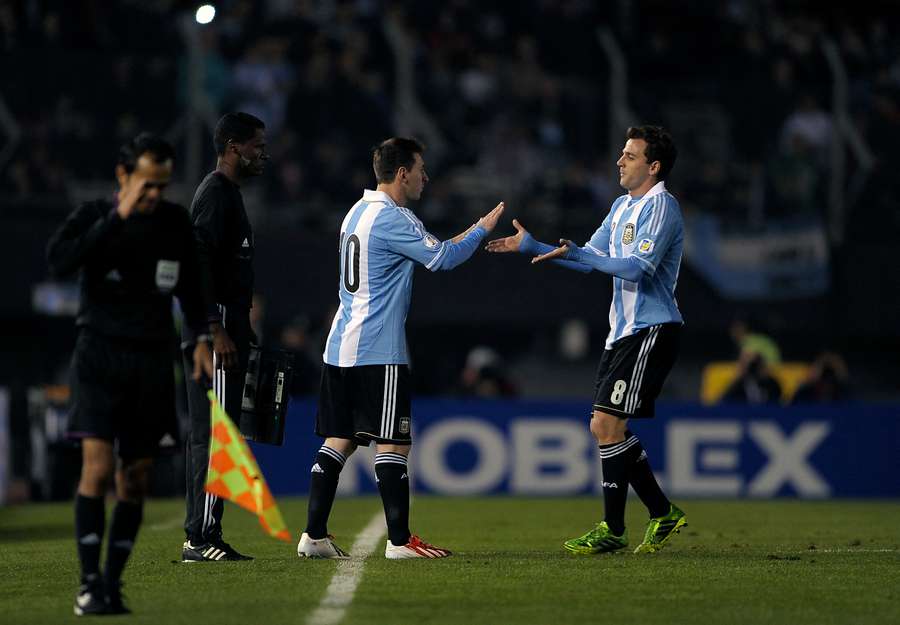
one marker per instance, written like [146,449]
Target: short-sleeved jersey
[379,246]
[651,230]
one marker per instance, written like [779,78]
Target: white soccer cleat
[415,548]
[320,548]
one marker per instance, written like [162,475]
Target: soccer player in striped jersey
[365,388]
[640,245]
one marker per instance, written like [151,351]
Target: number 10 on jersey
[350,262]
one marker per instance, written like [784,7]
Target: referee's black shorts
[632,373]
[366,403]
[124,391]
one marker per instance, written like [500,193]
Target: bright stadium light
[205,14]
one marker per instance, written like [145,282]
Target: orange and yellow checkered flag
[234,475]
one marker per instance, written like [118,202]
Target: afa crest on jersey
[628,234]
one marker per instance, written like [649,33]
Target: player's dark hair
[237,127]
[392,154]
[660,147]
[145,143]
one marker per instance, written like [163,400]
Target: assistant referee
[225,247]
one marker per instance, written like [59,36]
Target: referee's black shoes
[114,602]
[94,598]
[212,551]
[91,598]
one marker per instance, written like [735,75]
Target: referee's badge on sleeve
[167,274]
[645,246]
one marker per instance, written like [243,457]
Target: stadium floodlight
[205,14]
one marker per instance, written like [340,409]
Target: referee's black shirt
[224,244]
[130,269]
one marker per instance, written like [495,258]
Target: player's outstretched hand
[489,221]
[508,244]
[560,252]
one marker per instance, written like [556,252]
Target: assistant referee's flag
[234,475]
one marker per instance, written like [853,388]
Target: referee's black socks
[323,484]
[126,521]
[90,517]
[393,484]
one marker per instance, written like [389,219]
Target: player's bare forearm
[558,255]
[462,235]
[559,252]
[628,268]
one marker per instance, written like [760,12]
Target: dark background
[518,106]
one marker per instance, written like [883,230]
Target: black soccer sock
[126,520]
[323,485]
[90,517]
[641,478]
[393,484]
[615,459]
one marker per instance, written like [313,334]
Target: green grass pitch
[737,562]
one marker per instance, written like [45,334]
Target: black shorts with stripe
[366,403]
[124,391]
[632,373]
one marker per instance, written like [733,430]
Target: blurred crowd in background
[516,101]
[516,93]
[513,97]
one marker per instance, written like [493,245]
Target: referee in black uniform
[134,253]
[225,247]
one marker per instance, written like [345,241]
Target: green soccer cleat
[660,529]
[598,540]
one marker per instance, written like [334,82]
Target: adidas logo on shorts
[317,469]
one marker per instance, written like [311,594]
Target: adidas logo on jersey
[167,440]
[246,243]
[317,469]
[404,477]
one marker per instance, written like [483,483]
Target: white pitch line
[343,585]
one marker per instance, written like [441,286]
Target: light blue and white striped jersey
[651,230]
[379,247]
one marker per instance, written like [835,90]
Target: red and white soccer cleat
[415,548]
